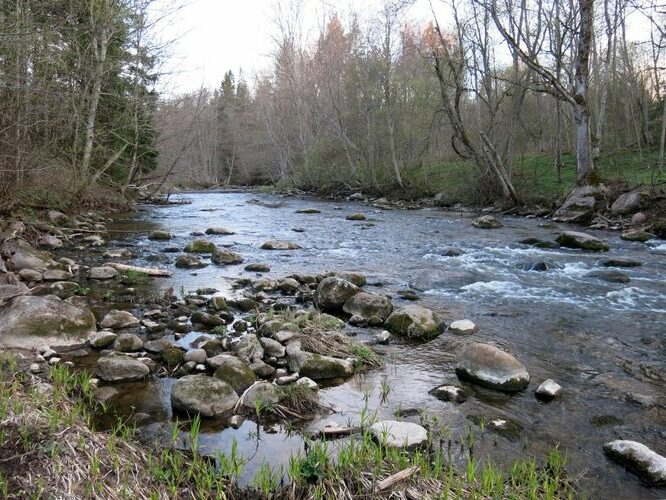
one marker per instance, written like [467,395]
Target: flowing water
[604,343]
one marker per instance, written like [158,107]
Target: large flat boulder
[207,396]
[120,369]
[21,255]
[415,322]
[491,367]
[394,434]
[29,322]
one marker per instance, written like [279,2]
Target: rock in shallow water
[548,389]
[117,319]
[368,309]
[279,245]
[449,393]
[202,394]
[638,458]
[394,434]
[491,367]
[415,322]
[487,222]
[120,369]
[463,327]
[584,241]
[332,293]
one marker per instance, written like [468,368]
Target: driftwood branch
[394,479]
[150,271]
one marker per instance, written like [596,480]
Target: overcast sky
[213,36]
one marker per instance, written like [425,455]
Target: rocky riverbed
[525,333]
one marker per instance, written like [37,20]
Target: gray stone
[611,276]
[102,273]
[576,239]
[463,327]
[117,319]
[263,392]
[207,396]
[318,367]
[249,347]
[279,245]
[357,216]
[101,339]
[30,275]
[272,347]
[262,369]
[21,255]
[415,322]
[225,257]
[220,231]
[450,393]
[580,204]
[200,246]
[394,434]
[28,321]
[56,275]
[628,203]
[157,346]
[308,382]
[196,355]
[368,309]
[120,369]
[284,336]
[487,222]
[258,268]
[548,389]
[49,242]
[638,458]
[127,342]
[491,367]
[332,293]
[189,262]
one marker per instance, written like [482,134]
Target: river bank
[181,318]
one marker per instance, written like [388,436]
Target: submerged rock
[487,222]
[258,268]
[394,434]
[21,255]
[368,309]
[621,263]
[189,262]
[279,245]
[308,211]
[489,366]
[638,458]
[610,276]
[120,369]
[30,321]
[449,393]
[356,217]
[219,231]
[576,239]
[159,236]
[332,293]
[415,322]
[207,396]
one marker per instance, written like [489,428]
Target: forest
[517,101]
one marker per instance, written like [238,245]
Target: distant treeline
[382,104]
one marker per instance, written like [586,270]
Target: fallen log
[150,271]
[336,432]
[394,479]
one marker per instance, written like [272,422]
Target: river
[604,343]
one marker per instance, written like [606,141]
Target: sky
[211,37]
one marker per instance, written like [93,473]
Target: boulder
[487,222]
[628,203]
[621,263]
[491,367]
[258,268]
[56,217]
[56,275]
[102,273]
[157,346]
[580,204]
[636,235]
[30,275]
[548,389]
[263,392]
[116,320]
[357,279]
[394,434]
[172,356]
[120,369]
[332,293]
[61,289]
[101,339]
[414,322]
[272,347]
[368,309]
[200,246]
[356,217]
[196,355]
[289,286]
[308,211]
[28,321]
[611,276]
[49,242]
[249,347]
[235,373]
[308,382]
[207,396]
[463,327]
[219,231]
[159,236]
[189,262]
[638,458]
[225,257]
[21,255]
[318,367]
[279,245]
[584,241]
[127,342]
